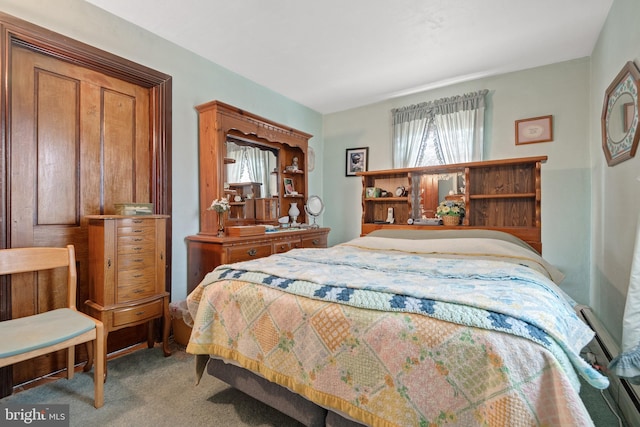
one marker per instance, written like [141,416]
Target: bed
[399,328]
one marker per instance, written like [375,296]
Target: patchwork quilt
[402,337]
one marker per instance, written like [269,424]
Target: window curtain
[627,363]
[410,130]
[258,167]
[459,124]
[234,170]
[455,127]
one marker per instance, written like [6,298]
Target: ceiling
[333,55]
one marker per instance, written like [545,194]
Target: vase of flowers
[221,207]
[450,212]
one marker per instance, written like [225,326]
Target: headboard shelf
[503,195]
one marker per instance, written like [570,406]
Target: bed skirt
[276,396]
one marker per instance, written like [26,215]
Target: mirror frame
[626,82]
[314,214]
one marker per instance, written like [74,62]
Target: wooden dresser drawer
[125,225]
[139,313]
[247,252]
[135,284]
[319,241]
[286,245]
[135,261]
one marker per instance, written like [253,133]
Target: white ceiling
[333,55]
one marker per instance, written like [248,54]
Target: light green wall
[615,190]
[195,81]
[559,89]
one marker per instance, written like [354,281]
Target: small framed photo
[289,189]
[535,129]
[357,160]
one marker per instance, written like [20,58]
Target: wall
[559,89]
[195,81]
[615,190]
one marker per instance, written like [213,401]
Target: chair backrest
[23,260]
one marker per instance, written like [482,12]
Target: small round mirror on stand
[314,208]
[620,124]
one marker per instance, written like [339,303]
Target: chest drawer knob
[315,242]
[252,252]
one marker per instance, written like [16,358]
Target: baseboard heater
[625,394]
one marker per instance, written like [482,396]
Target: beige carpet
[146,389]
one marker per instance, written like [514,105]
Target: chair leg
[99,371]
[90,355]
[71,361]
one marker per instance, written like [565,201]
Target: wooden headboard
[503,195]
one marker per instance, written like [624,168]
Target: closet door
[79,143]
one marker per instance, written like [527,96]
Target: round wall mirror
[314,208]
[620,130]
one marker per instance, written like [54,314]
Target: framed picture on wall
[535,129]
[357,160]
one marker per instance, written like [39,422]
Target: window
[449,130]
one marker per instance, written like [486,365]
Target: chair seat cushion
[41,330]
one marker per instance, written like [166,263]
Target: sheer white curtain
[258,166]
[234,170]
[627,363]
[410,131]
[448,130]
[459,124]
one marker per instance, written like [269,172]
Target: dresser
[127,273]
[205,252]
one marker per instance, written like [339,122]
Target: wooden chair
[64,328]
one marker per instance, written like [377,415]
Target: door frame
[17,32]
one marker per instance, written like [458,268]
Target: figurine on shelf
[294,165]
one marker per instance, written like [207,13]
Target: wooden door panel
[79,143]
[57,141]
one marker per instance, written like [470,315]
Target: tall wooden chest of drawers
[127,263]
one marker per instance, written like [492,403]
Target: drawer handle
[139,313]
[138,248]
[283,246]
[137,221]
[137,231]
[138,239]
[252,252]
[316,242]
[138,291]
[138,275]
[108,262]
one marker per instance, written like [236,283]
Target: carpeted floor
[146,389]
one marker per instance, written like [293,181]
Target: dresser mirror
[251,164]
[620,130]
